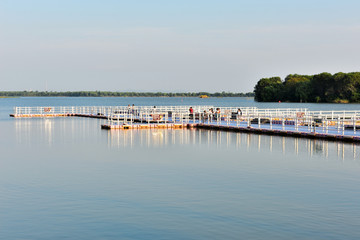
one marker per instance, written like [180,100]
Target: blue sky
[172,46]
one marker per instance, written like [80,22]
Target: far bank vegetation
[319,88]
[118,94]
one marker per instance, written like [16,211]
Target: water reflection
[28,130]
[50,132]
[242,141]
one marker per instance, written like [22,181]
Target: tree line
[118,94]
[320,88]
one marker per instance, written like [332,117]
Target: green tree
[297,88]
[268,89]
[321,85]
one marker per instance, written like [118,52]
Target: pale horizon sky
[172,46]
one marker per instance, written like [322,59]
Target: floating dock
[148,126]
[294,122]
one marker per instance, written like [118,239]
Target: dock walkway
[330,125]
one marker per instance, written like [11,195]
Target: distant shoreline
[5,94]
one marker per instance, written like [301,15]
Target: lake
[66,178]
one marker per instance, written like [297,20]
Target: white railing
[345,114]
[109,110]
[300,118]
[105,110]
[48,110]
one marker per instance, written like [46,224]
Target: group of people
[131,109]
[211,114]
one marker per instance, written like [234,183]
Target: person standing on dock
[211,114]
[238,115]
[217,114]
[133,109]
[191,111]
[205,116]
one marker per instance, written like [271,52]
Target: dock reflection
[51,132]
[242,141]
[28,131]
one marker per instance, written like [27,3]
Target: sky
[172,45]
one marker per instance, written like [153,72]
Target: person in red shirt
[191,111]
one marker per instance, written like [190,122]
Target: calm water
[65,178]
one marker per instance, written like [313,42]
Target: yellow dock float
[146,126]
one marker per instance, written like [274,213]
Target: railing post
[354,123]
